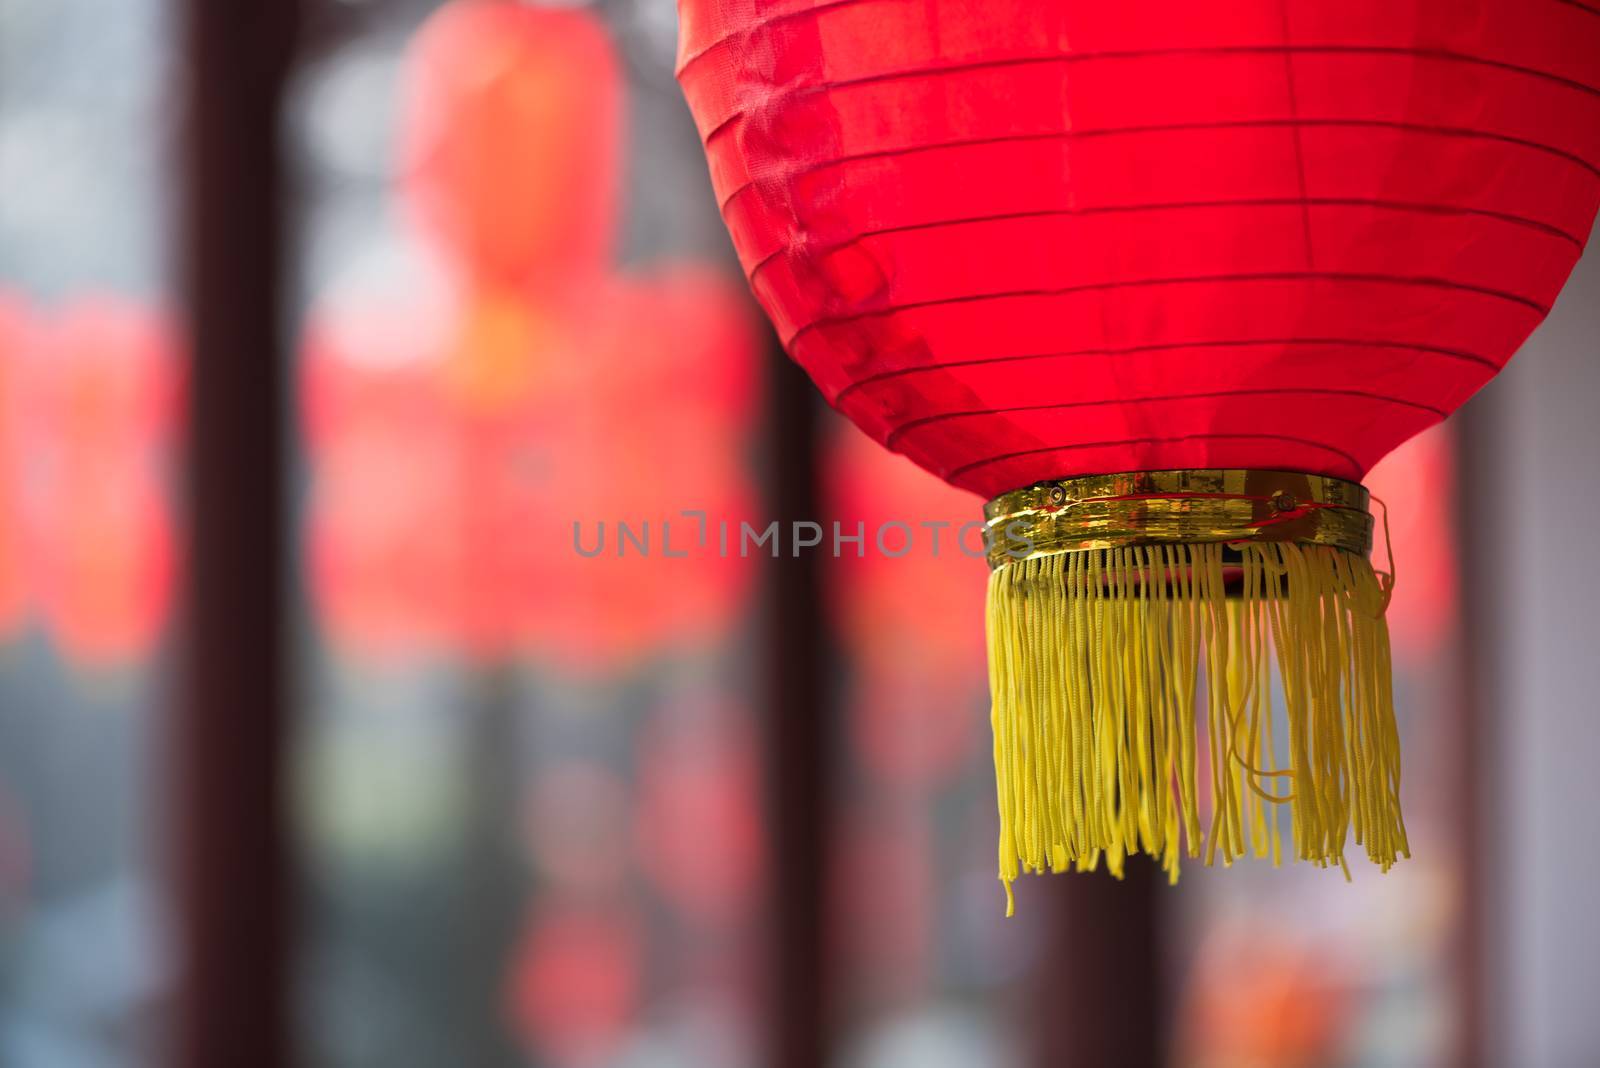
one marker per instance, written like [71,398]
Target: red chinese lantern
[514,425]
[430,553]
[106,393]
[1163,281]
[16,332]
[578,980]
[512,139]
[378,560]
[697,827]
[494,385]
[669,364]
[531,390]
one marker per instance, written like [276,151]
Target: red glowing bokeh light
[447,481]
[382,477]
[656,419]
[1260,997]
[576,983]
[16,337]
[531,387]
[106,393]
[697,829]
[511,139]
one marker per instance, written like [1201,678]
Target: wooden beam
[231,864]
[799,719]
[1097,996]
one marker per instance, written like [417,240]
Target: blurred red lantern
[495,388]
[380,439]
[514,424]
[546,390]
[668,380]
[905,607]
[886,936]
[366,332]
[698,823]
[577,983]
[422,437]
[106,393]
[16,334]
[512,139]
[1162,280]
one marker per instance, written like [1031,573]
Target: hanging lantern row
[1161,281]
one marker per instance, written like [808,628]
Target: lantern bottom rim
[1189,506]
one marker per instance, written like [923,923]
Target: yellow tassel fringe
[1118,674]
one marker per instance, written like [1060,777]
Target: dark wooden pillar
[1098,998]
[799,718]
[231,882]
[1475,785]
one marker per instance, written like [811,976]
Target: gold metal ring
[1163,507]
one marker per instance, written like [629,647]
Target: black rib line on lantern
[1299,140]
[1580,6]
[951,476]
[1132,350]
[1311,391]
[1197,205]
[1132,283]
[1464,133]
[817,88]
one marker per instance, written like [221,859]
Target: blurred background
[543,806]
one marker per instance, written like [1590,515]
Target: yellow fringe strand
[1119,675]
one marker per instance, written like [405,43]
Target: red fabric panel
[1025,239]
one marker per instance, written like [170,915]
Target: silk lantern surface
[1031,239]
